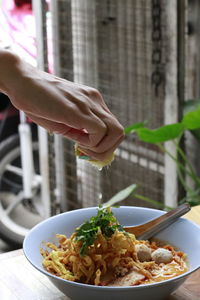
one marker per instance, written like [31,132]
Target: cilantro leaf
[104,220]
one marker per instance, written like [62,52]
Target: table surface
[19,280]
[194,214]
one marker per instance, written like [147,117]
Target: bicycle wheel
[17,215]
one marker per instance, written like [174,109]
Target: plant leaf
[190,105]
[123,194]
[132,128]
[191,120]
[196,134]
[152,201]
[162,134]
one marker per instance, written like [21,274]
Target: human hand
[76,111]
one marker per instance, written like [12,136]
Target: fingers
[59,128]
[51,126]
[78,135]
[95,128]
[103,136]
[97,131]
[105,148]
[103,155]
[113,136]
[108,134]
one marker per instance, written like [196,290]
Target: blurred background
[143,56]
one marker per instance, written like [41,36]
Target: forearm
[8,70]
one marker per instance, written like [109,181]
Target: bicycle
[20,180]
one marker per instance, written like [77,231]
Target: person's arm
[75,111]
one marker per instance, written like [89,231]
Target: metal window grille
[129,51]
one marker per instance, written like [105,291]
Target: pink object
[18,32]
[19,25]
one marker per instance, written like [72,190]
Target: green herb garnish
[104,221]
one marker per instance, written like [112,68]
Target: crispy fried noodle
[99,252]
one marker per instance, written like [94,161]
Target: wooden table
[19,280]
[194,215]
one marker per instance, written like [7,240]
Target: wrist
[8,70]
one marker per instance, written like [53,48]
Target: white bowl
[183,234]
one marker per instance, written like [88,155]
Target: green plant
[189,106]
[174,133]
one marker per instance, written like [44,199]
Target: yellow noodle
[104,256]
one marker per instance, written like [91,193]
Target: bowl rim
[85,285]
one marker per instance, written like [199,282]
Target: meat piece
[120,271]
[162,255]
[143,252]
[132,278]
